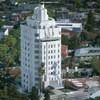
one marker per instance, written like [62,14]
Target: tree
[10,48]
[3,51]
[78,4]
[34,94]
[74,42]
[90,24]
[46,96]
[95,63]
[64,40]
[97,41]
[41,73]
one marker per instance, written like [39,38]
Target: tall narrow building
[40,43]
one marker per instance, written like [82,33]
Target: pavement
[78,95]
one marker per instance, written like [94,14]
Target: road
[78,95]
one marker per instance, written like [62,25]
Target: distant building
[68,33]
[88,53]
[3,33]
[64,51]
[40,43]
[75,27]
[8,26]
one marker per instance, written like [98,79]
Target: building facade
[40,43]
[86,54]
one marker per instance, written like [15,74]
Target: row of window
[53,78]
[54,73]
[53,62]
[51,51]
[52,46]
[51,57]
[43,27]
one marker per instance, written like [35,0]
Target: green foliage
[90,24]
[46,96]
[78,3]
[11,93]
[97,41]
[10,48]
[34,94]
[41,70]
[2,22]
[64,40]
[73,42]
[95,63]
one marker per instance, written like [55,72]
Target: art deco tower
[40,43]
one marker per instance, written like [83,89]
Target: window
[28,43]
[48,46]
[34,27]
[28,54]
[36,62]
[28,65]
[44,46]
[58,62]
[36,46]
[37,78]
[44,57]
[50,26]
[48,57]
[36,57]
[43,27]
[49,51]
[36,40]
[58,56]
[58,45]
[58,50]
[25,48]
[49,62]
[39,27]
[36,35]
[51,45]
[36,51]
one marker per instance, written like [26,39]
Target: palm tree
[46,95]
[41,71]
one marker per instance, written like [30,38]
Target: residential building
[40,43]
[68,33]
[75,27]
[87,53]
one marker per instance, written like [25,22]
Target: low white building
[3,33]
[87,53]
[66,24]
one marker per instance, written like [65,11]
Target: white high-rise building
[40,43]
